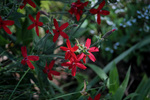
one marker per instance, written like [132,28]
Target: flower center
[47,71]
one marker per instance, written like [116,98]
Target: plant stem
[18,83]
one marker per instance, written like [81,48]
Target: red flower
[3,24]
[97,97]
[59,30]
[89,50]
[29,2]
[36,23]
[98,11]
[74,61]
[76,8]
[27,59]
[48,70]
[69,51]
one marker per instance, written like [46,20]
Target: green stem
[18,83]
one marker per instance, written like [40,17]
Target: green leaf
[98,71]
[120,91]
[130,96]
[113,80]
[3,41]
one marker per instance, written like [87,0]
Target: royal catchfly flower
[36,23]
[70,50]
[5,23]
[87,51]
[77,8]
[48,70]
[29,2]
[74,61]
[27,59]
[97,97]
[59,30]
[98,11]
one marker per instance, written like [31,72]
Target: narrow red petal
[30,64]
[63,26]
[101,5]
[80,56]
[56,24]
[93,11]
[50,77]
[91,56]
[84,59]
[38,16]
[66,64]
[32,3]
[51,64]
[68,43]
[88,43]
[86,3]
[31,26]
[6,29]
[105,12]
[64,35]
[47,31]
[23,61]
[93,49]
[67,55]
[31,18]
[78,17]
[55,37]
[24,51]
[97,97]
[40,24]
[33,58]
[80,65]
[55,73]
[73,70]
[24,4]
[37,30]
[98,19]
[63,48]
[8,22]
[75,48]
[90,98]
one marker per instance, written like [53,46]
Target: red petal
[50,76]
[50,66]
[93,11]
[31,18]
[101,5]
[73,70]
[30,64]
[67,55]
[75,48]
[40,24]
[88,43]
[86,3]
[56,24]
[23,61]
[66,64]
[8,22]
[80,56]
[63,26]
[32,3]
[84,59]
[24,51]
[37,16]
[93,49]
[55,73]
[47,31]
[33,58]
[90,98]
[6,29]
[0,18]
[105,12]
[98,19]
[24,4]
[91,56]
[37,30]
[97,97]
[31,26]
[68,43]
[78,17]
[55,37]
[64,35]
[80,65]
[64,48]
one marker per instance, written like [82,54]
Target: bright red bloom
[5,23]
[29,2]
[98,11]
[69,51]
[48,70]
[59,30]
[36,23]
[97,97]
[76,8]
[89,50]
[74,61]
[27,59]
